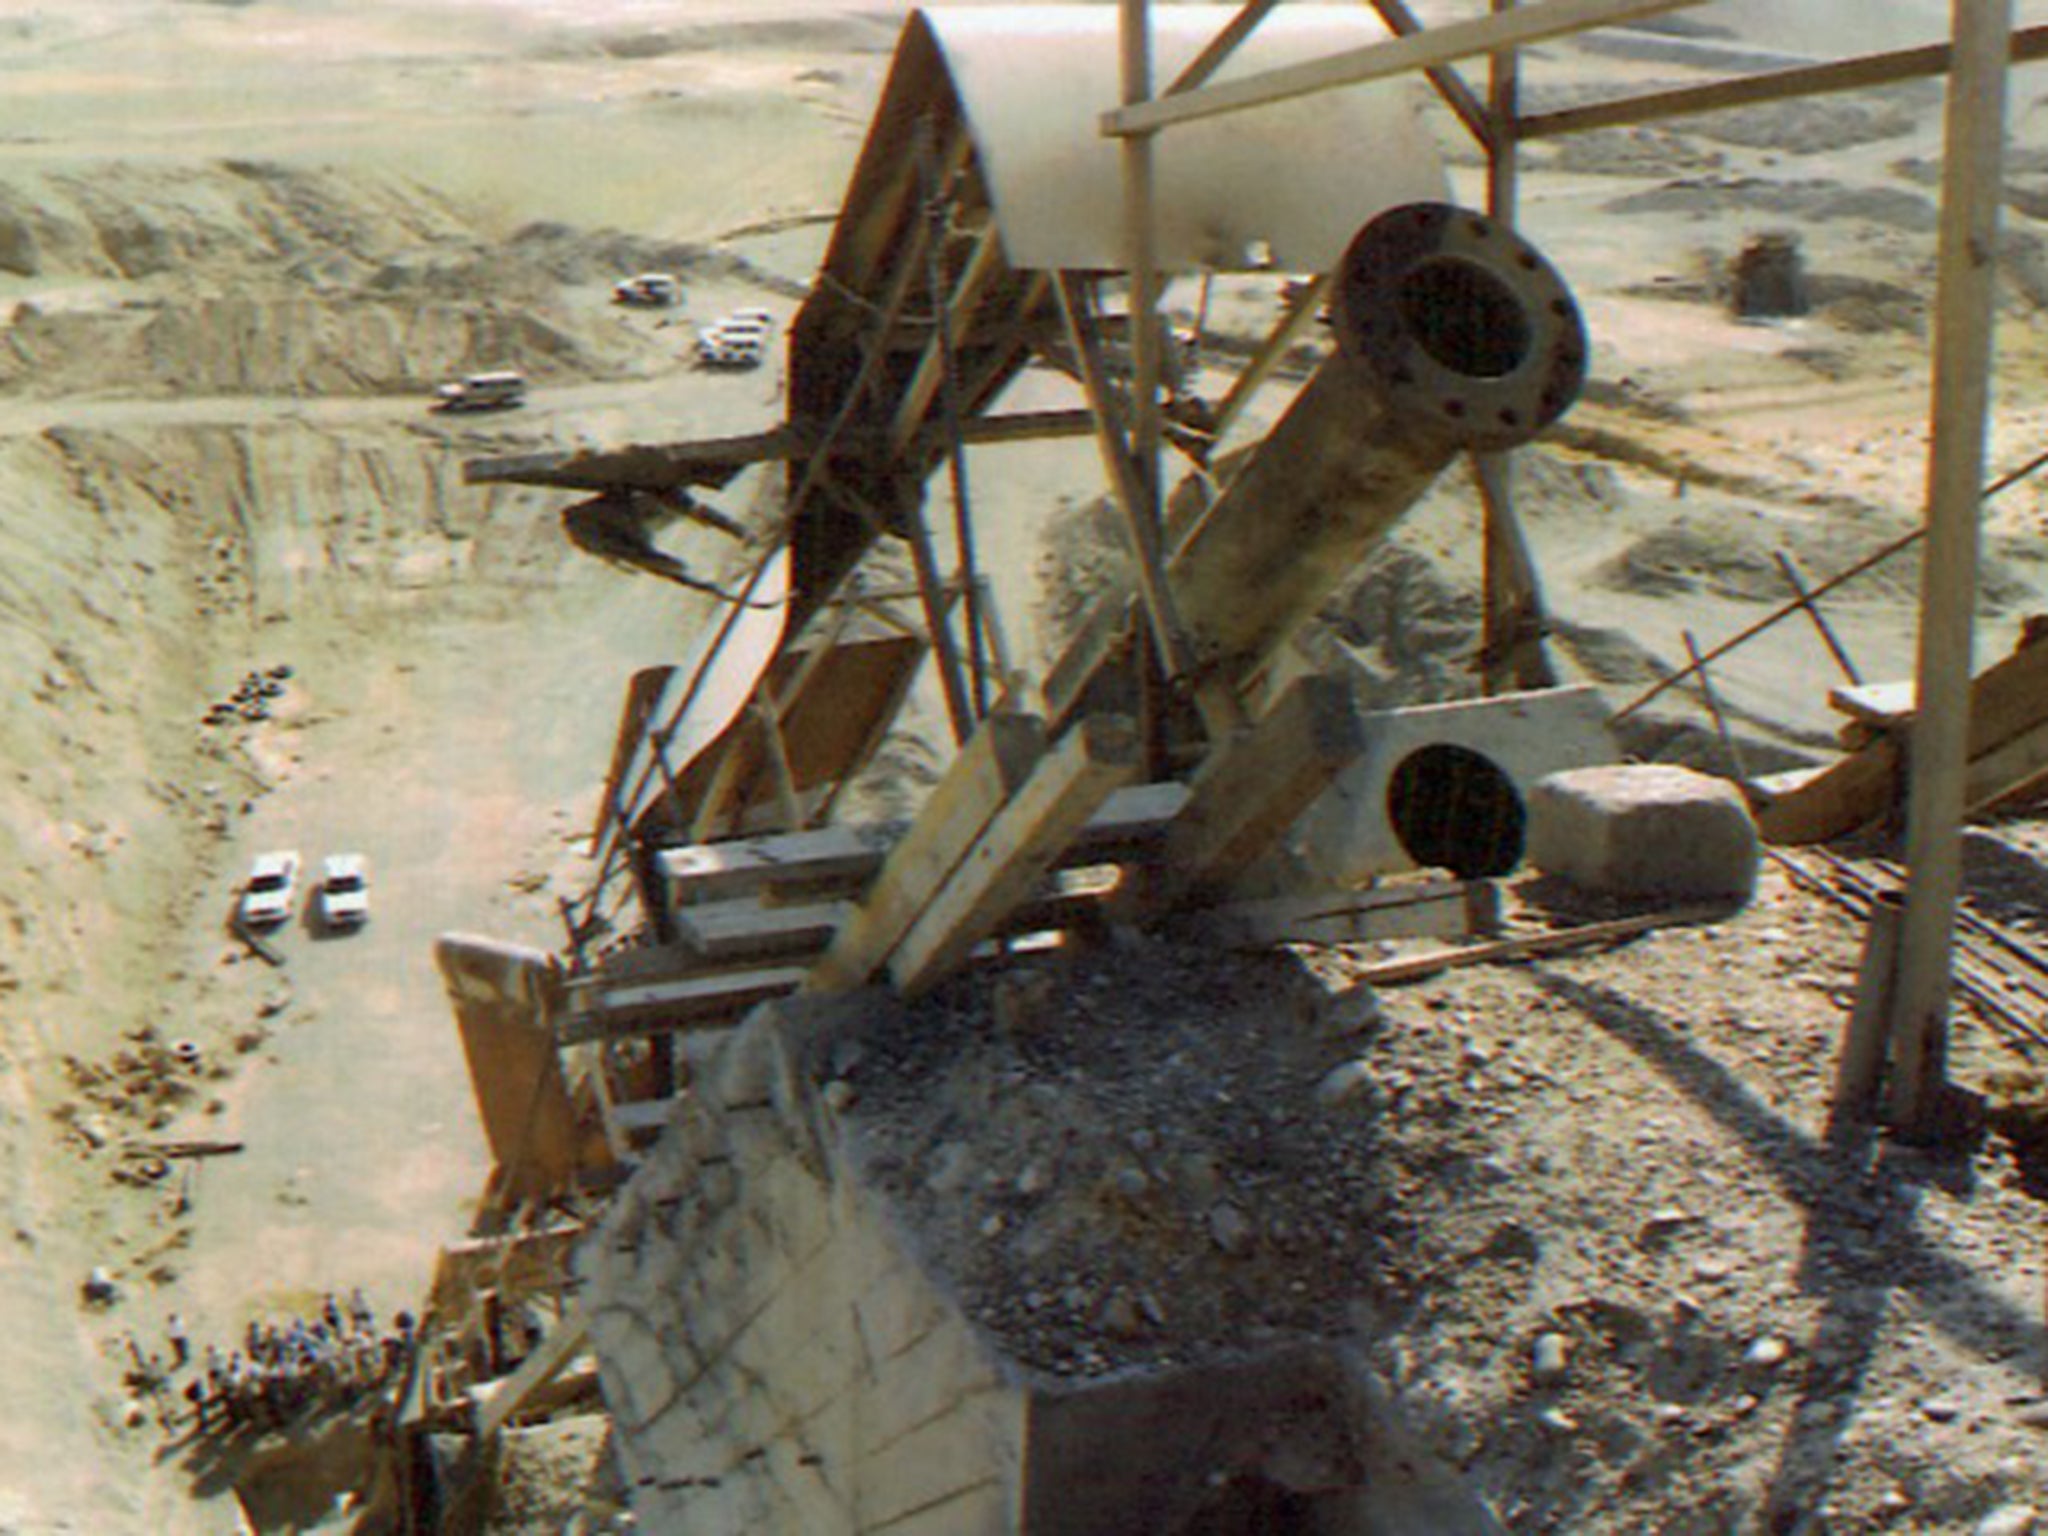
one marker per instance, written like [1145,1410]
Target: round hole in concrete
[1455,809]
[1465,317]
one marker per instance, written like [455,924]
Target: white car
[737,341]
[272,888]
[648,290]
[344,898]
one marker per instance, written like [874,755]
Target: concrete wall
[775,1356]
[1347,833]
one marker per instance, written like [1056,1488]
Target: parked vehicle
[740,340]
[648,290]
[344,896]
[271,890]
[499,391]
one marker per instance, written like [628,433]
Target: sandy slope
[236,246]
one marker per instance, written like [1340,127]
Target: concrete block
[1350,832]
[1645,830]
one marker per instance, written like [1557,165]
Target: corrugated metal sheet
[1294,180]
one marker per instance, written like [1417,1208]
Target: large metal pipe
[1453,334]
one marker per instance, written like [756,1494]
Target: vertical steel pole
[1511,649]
[1141,262]
[1971,189]
[1140,256]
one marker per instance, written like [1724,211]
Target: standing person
[181,1344]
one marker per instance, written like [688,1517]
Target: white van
[499,391]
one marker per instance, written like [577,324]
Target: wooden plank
[841,860]
[1528,946]
[1017,849]
[698,1002]
[707,872]
[1425,50]
[1833,802]
[2006,701]
[1428,909]
[748,929]
[2007,768]
[1859,1070]
[2028,45]
[534,1372]
[1131,818]
[1254,787]
[526,1264]
[505,999]
[831,712]
[1884,705]
[993,763]
[641,1116]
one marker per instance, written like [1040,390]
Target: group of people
[281,1369]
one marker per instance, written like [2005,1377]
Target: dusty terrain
[239,244]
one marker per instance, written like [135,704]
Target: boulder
[1644,830]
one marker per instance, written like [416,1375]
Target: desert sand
[239,244]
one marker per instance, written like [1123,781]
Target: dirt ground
[239,243]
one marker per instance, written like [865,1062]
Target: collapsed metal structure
[978,240]
[977,244]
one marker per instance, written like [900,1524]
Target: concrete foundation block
[1644,830]
[1449,774]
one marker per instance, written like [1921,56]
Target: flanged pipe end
[1462,321]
